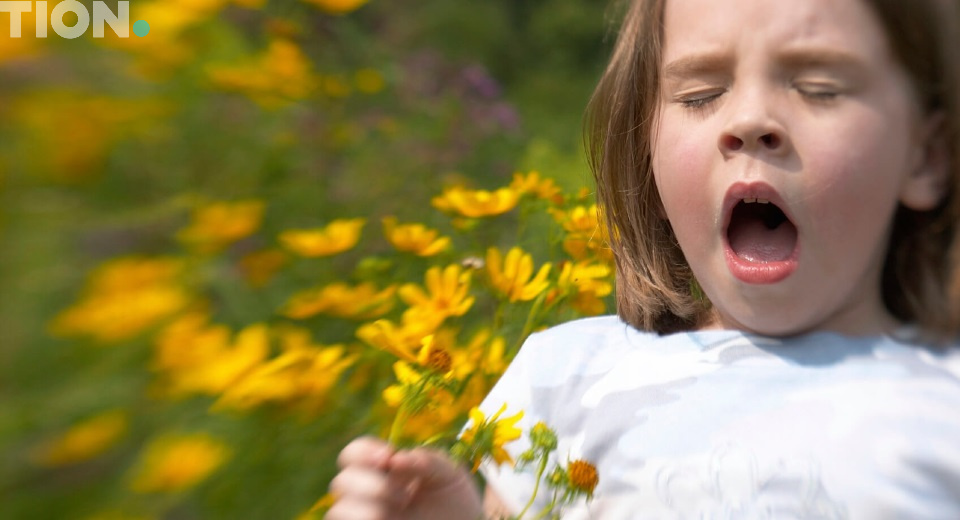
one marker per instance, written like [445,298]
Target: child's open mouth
[761,240]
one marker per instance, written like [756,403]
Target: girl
[797,164]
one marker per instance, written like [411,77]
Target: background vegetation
[173,207]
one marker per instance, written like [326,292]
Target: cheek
[681,169]
[848,214]
[856,186]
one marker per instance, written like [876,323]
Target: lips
[761,241]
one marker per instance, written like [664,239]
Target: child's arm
[376,482]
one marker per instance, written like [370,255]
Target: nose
[753,127]
[735,141]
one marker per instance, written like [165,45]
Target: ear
[926,185]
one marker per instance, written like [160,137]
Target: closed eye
[699,99]
[818,92]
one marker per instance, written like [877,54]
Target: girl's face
[786,136]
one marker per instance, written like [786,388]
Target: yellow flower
[202,6]
[303,374]
[586,233]
[476,203]
[194,357]
[542,188]
[482,355]
[280,75]
[580,219]
[588,304]
[84,440]
[124,297]
[435,357]
[542,437]
[408,379]
[487,355]
[447,292]
[583,476]
[441,353]
[511,275]
[430,408]
[587,283]
[585,277]
[165,48]
[337,237]
[487,437]
[414,238]
[187,341]
[68,135]
[259,267]
[403,341]
[337,6]
[218,224]
[175,463]
[361,302]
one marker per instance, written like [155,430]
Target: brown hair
[656,290]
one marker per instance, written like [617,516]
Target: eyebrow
[697,64]
[717,62]
[815,57]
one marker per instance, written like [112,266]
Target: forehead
[694,26]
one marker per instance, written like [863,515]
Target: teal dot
[141,28]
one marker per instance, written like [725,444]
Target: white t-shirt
[726,425]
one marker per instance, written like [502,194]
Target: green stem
[403,413]
[560,297]
[398,422]
[498,316]
[531,320]
[547,509]
[536,485]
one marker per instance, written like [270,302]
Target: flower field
[269,226]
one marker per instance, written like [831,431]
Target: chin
[783,322]
[779,330]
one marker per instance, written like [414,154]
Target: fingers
[368,485]
[364,489]
[440,487]
[376,483]
[345,509]
[368,452]
[430,468]
[364,493]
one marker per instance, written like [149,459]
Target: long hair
[656,290]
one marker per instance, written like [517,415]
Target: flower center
[439,360]
[583,475]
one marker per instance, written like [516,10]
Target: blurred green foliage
[107,146]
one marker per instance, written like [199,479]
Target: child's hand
[376,482]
